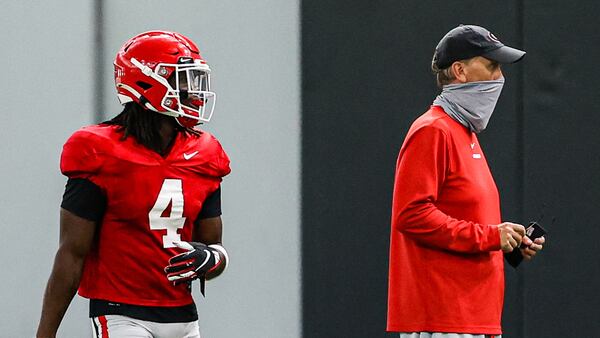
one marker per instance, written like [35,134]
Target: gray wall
[46,94]
[253,50]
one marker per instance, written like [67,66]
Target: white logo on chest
[190,155]
[475,156]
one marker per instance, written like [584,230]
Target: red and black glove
[199,260]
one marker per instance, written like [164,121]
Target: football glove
[195,263]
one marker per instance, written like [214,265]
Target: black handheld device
[533,231]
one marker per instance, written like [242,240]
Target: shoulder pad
[212,159]
[82,153]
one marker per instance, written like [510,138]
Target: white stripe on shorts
[97,332]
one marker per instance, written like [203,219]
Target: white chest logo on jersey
[475,155]
[190,155]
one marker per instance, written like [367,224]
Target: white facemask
[471,103]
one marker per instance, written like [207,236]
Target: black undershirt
[86,200]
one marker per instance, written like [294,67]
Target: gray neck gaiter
[472,103]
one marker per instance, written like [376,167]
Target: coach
[446,273]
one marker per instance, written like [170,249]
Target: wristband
[222,250]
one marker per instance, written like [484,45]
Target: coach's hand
[196,262]
[532,247]
[511,235]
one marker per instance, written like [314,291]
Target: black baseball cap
[468,41]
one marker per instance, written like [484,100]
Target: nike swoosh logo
[472,145]
[190,155]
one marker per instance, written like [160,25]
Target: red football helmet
[164,72]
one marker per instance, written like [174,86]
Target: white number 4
[170,193]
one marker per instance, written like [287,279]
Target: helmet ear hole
[144,85]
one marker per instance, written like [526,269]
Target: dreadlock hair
[144,125]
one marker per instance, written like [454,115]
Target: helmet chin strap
[192,123]
[167,113]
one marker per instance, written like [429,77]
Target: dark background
[366,77]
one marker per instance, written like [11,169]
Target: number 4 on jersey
[171,193]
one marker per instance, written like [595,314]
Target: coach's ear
[458,70]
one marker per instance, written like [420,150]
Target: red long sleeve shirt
[446,271]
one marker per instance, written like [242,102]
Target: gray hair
[443,76]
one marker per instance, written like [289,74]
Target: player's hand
[532,248]
[511,235]
[196,262]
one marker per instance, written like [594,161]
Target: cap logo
[493,37]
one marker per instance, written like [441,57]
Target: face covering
[471,103]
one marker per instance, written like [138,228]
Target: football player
[140,215]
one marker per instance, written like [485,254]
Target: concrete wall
[48,82]
[46,94]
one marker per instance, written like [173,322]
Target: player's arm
[209,232]
[205,256]
[82,208]
[76,238]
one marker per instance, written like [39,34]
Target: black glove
[195,263]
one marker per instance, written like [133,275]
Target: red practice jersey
[151,201]
[446,270]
